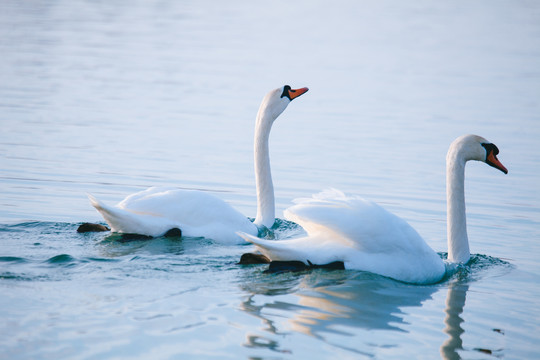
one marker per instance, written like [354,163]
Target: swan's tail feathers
[264,246]
[95,202]
[100,206]
[249,238]
[113,216]
[119,220]
[275,250]
[104,210]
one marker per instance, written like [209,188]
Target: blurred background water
[112,97]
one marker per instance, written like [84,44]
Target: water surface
[110,98]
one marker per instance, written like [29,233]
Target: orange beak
[294,93]
[493,161]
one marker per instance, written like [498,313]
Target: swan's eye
[491,148]
[286,92]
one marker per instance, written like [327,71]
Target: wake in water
[478,267]
[59,245]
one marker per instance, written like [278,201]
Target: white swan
[156,210]
[364,236]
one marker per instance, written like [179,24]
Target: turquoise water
[110,98]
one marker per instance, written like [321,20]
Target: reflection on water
[455,302]
[365,301]
[257,341]
[453,346]
[322,303]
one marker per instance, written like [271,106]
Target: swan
[154,211]
[365,236]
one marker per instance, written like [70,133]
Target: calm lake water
[112,97]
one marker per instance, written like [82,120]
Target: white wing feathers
[351,220]
[125,221]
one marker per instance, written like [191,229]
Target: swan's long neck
[458,242]
[263,175]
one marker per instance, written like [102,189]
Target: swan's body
[364,236]
[155,211]
[199,214]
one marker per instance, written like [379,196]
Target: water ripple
[12,259]
[478,267]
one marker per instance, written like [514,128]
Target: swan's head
[276,101]
[474,147]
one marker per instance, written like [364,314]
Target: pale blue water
[112,97]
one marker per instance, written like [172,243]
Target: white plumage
[154,211]
[364,236]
